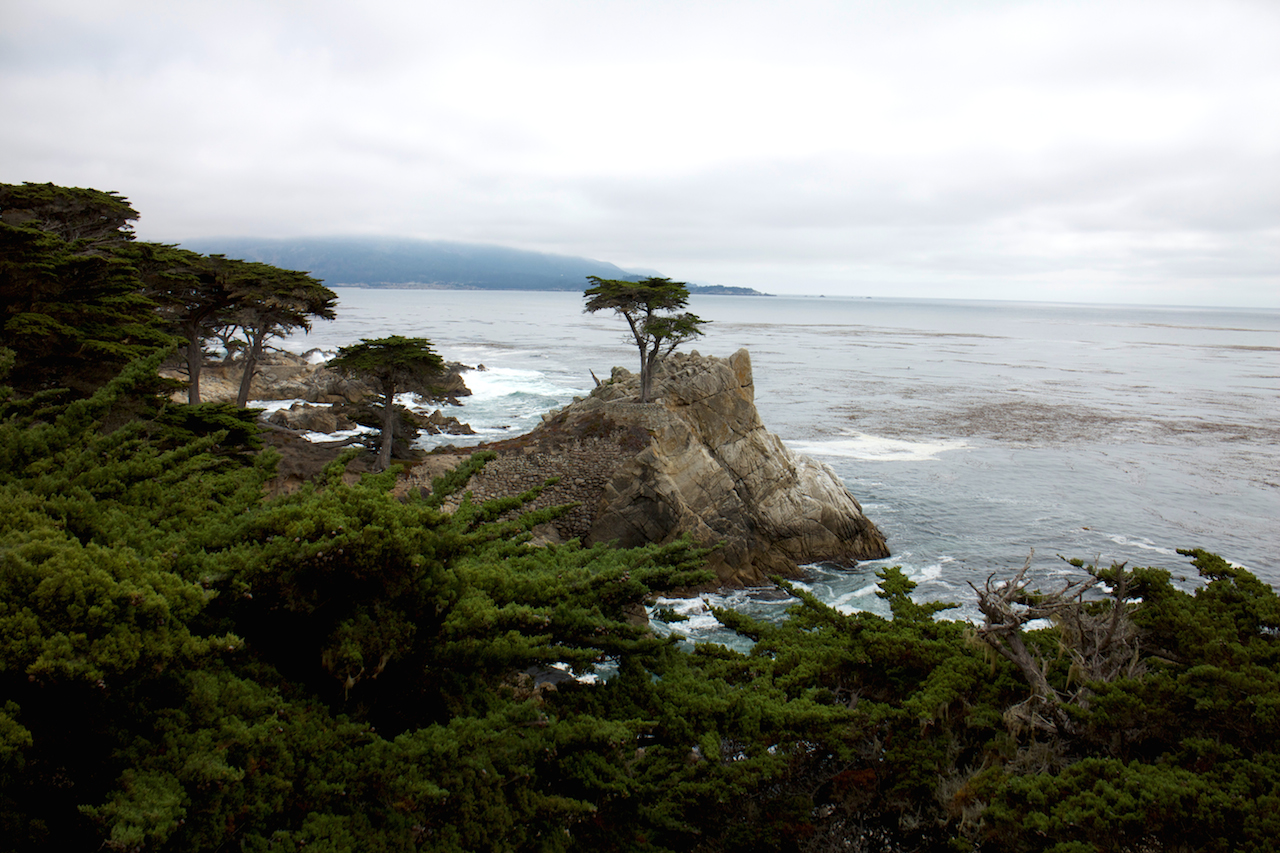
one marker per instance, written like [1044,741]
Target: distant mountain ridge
[407,262]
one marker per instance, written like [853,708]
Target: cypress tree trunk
[195,360]
[251,355]
[388,424]
[648,362]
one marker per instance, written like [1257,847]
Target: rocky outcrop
[438,423]
[285,376]
[304,417]
[696,460]
[301,461]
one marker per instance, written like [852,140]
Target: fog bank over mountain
[406,262]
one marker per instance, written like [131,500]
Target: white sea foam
[270,407]
[932,572]
[339,435]
[512,396]
[496,382]
[700,624]
[873,448]
[585,678]
[697,624]
[856,601]
[1142,544]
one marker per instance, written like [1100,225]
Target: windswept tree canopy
[71,213]
[272,302]
[80,299]
[71,307]
[396,363]
[191,298]
[197,295]
[649,307]
[206,296]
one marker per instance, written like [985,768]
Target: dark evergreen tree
[72,214]
[396,364]
[215,296]
[198,295]
[1177,749]
[72,310]
[273,302]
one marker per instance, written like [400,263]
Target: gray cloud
[1121,151]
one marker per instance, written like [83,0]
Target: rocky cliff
[695,460]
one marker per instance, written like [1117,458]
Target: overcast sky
[1113,151]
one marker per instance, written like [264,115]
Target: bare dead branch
[1101,641]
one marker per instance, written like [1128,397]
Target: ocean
[972,432]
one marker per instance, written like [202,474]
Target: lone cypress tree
[648,306]
[394,363]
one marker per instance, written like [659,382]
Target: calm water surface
[972,432]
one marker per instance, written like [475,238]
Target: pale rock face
[712,470]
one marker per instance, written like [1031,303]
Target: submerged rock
[696,460]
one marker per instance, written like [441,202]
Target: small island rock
[696,460]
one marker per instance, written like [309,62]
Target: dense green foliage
[184,664]
[187,665]
[649,307]
[81,299]
[70,213]
[71,307]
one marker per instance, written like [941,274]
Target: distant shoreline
[411,264]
